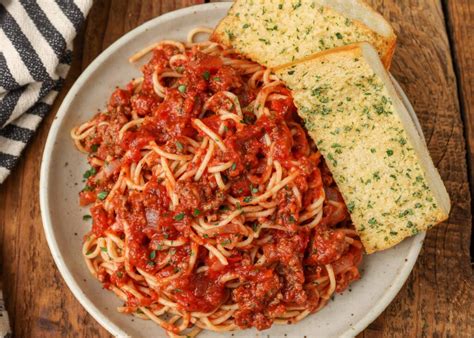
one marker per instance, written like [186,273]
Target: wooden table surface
[434,65]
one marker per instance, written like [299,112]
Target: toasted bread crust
[381,166]
[280,43]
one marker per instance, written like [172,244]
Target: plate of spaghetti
[205,208]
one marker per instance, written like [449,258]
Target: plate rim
[381,304]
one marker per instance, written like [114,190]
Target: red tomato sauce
[146,219]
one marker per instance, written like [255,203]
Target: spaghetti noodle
[211,208]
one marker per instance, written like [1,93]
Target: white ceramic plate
[383,274]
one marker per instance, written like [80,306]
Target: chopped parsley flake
[86,217]
[182,88]
[298,4]
[206,75]
[89,173]
[230,35]
[376,175]
[102,195]
[179,145]
[179,217]
[153,254]
[350,206]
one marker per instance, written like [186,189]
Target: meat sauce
[146,219]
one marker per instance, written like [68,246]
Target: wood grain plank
[460,20]
[437,298]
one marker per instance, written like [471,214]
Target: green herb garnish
[350,206]
[89,173]
[102,195]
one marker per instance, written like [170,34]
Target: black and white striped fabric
[35,55]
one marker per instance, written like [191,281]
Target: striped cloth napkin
[35,55]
